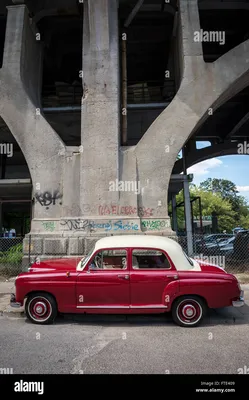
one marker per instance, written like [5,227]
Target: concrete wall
[76,203]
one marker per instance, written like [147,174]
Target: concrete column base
[75,237]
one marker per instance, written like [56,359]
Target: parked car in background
[240,249]
[226,246]
[221,247]
[237,229]
[127,274]
[210,244]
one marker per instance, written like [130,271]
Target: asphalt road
[133,345]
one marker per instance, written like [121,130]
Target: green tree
[229,192]
[211,202]
[227,189]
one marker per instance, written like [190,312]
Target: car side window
[110,260]
[149,259]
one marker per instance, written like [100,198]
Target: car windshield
[189,259]
[85,260]
[229,240]
[210,238]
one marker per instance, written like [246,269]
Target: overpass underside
[98,98]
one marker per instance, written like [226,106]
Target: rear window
[189,259]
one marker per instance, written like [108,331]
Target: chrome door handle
[124,276]
[172,276]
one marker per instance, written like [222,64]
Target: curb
[11,312]
[6,310]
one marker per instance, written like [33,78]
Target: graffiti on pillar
[47,199]
[49,226]
[115,209]
[83,225]
[155,225]
[125,226]
[91,226]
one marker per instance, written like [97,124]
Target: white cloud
[203,167]
[243,188]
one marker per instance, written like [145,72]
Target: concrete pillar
[20,108]
[100,106]
[188,216]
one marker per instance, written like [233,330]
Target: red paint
[154,289]
[125,210]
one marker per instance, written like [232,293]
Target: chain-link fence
[230,252]
[11,255]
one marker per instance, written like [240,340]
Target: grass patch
[11,260]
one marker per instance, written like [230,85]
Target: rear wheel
[41,308]
[188,311]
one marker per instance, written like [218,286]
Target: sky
[233,168]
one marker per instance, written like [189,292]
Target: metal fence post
[29,248]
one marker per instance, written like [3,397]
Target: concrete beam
[217,150]
[239,125]
[203,86]
[133,13]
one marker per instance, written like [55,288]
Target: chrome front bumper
[240,302]
[13,302]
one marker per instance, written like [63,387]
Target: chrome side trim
[125,307]
[103,307]
[151,306]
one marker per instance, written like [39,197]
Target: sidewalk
[8,287]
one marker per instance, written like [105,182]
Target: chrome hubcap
[40,308]
[189,311]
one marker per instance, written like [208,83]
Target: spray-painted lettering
[49,226]
[48,198]
[114,209]
[155,225]
[91,226]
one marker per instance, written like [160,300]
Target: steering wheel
[98,261]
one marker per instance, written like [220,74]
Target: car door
[104,283]
[153,278]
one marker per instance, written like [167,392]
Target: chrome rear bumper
[240,302]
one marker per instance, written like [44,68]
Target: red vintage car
[123,275]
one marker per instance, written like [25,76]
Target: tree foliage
[218,196]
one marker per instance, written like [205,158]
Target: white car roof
[150,241]
[170,246]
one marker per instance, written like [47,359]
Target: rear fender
[171,291]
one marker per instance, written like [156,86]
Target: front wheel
[41,308]
[188,311]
